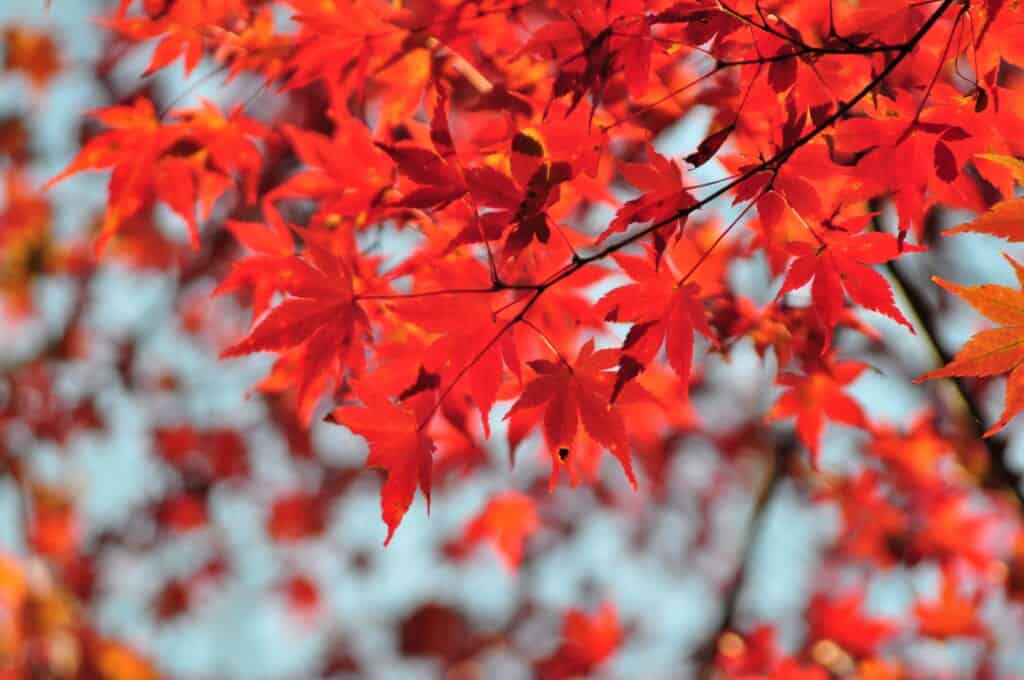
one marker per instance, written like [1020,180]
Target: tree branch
[705,655]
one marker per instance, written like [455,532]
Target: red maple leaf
[840,266]
[843,620]
[994,351]
[664,311]
[507,521]
[951,614]
[321,321]
[398,446]
[664,195]
[465,357]
[813,397]
[588,640]
[575,394]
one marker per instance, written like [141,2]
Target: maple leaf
[464,355]
[297,516]
[178,163]
[710,146]
[1004,220]
[811,398]
[31,52]
[951,614]
[843,620]
[871,524]
[131,147]
[321,320]
[995,351]
[507,521]
[663,311]
[662,182]
[182,29]
[438,173]
[841,264]
[254,46]
[398,446]
[577,394]
[229,141]
[916,456]
[588,640]
[270,270]
[522,200]
[344,172]
[1014,165]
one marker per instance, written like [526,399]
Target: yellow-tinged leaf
[995,351]
[998,303]
[990,352]
[1005,220]
[1015,165]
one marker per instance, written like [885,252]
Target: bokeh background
[232,590]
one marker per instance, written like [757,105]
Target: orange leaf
[995,351]
[1005,220]
[507,521]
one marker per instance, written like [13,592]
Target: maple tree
[546,253]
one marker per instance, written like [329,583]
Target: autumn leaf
[321,320]
[819,395]
[181,29]
[438,173]
[131,147]
[1014,165]
[588,640]
[398,446]
[31,52]
[710,146]
[463,356]
[662,312]
[343,172]
[507,521]
[1005,220]
[840,265]
[297,516]
[843,620]
[574,395]
[193,160]
[951,614]
[996,351]
[664,197]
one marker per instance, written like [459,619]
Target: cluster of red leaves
[489,134]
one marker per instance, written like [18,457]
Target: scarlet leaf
[574,395]
[507,521]
[662,310]
[841,263]
[397,446]
[951,614]
[710,146]
[321,321]
[819,395]
[587,641]
[843,620]
[664,199]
